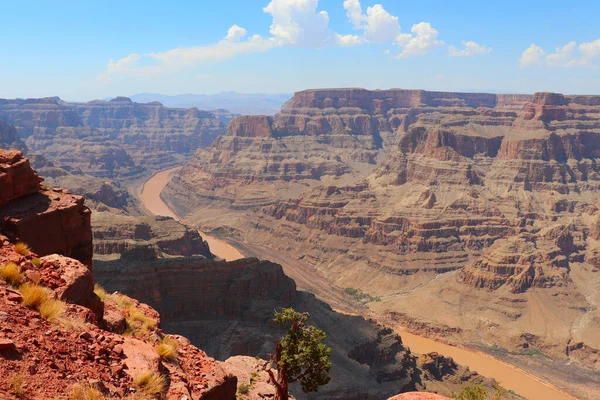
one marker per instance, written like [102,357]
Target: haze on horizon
[115,48]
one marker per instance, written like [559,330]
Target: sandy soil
[511,377]
[150,198]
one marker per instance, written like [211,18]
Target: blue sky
[81,50]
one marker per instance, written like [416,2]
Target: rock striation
[227,308]
[48,220]
[110,138]
[120,234]
[479,206]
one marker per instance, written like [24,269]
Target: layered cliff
[226,308]
[48,220]
[477,217]
[110,138]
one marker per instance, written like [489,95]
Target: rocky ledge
[48,220]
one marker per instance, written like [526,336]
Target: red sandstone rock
[17,179]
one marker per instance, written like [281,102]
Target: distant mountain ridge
[240,103]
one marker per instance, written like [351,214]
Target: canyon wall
[226,308]
[476,216]
[117,138]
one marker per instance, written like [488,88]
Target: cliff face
[110,139]
[227,308]
[48,220]
[9,138]
[119,234]
[472,191]
[59,336]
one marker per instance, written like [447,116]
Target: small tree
[300,355]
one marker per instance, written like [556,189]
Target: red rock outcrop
[44,358]
[17,179]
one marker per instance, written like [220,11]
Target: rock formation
[226,308]
[48,220]
[480,206]
[61,334]
[120,234]
[110,139]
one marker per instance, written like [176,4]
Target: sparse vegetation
[151,383]
[100,292]
[167,349]
[36,262]
[34,295]
[22,249]
[300,356]
[139,323]
[11,273]
[361,297]
[476,391]
[51,309]
[85,392]
[17,385]
[244,388]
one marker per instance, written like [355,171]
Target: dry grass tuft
[33,295]
[22,249]
[151,383]
[11,273]
[85,392]
[36,262]
[16,385]
[51,309]
[167,349]
[100,292]
[138,322]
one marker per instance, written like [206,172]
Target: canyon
[470,218]
[110,139]
[467,218]
[226,307]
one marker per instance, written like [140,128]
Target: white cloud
[347,40]
[422,40]
[532,57]
[590,52]
[354,13]
[126,64]
[470,49]
[297,23]
[236,33]
[180,58]
[569,55]
[378,25]
[564,56]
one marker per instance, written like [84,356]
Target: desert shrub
[33,295]
[151,383]
[36,262]
[17,385]
[244,388]
[22,249]
[11,273]
[85,392]
[167,349]
[51,308]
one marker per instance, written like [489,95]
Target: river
[150,198]
[511,377]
